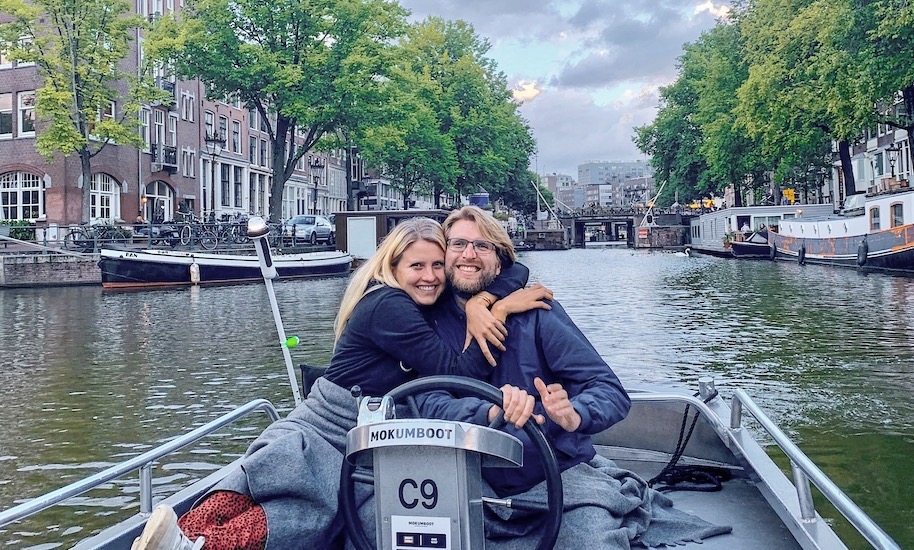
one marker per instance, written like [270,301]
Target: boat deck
[739,504]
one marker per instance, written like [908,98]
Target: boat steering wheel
[467,387]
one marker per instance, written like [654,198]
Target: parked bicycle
[89,238]
[193,233]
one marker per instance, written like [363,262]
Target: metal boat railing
[143,463]
[805,470]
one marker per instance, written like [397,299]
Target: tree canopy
[765,93]
[88,98]
[309,68]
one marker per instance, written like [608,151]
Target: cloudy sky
[587,71]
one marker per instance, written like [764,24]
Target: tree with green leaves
[800,93]
[79,47]
[474,107]
[673,142]
[889,74]
[715,63]
[408,147]
[309,68]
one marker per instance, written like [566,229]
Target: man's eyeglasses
[483,248]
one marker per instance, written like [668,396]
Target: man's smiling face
[468,270]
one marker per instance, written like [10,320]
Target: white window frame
[20,113]
[8,111]
[172,129]
[158,125]
[236,136]
[187,106]
[209,124]
[144,127]
[188,162]
[22,185]
[105,200]
[5,62]
[108,113]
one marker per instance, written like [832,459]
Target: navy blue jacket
[544,343]
[388,341]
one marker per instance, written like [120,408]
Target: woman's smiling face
[420,272]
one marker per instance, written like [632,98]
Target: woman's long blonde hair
[380,268]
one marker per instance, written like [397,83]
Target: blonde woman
[284,495]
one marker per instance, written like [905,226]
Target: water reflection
[90,377]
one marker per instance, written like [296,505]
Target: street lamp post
[317,169]
[893,151]
[214,145]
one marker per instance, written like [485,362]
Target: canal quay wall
[40,270]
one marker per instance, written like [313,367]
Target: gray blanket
[605,507]
[293,469]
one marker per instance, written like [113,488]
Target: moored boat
[711,232]
[871,231]
[144,268]
[754,246]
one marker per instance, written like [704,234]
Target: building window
[209,124]
[263,152]
[187,106]
[236,136]
[104,202]
[172,129]
[8,62]
[226,187]
[252,149]
[223,127]
[144,127]
[21,196]
[252,191]
[5,61]
[188,163]
[239,181]
[6,116]
[159,201]
[897,215]
[107,114]
[26,114]
[159,127]
[252,118]
[874,218]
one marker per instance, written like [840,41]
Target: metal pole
[257,230]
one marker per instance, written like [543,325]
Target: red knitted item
[228,520]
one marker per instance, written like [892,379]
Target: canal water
[91,377]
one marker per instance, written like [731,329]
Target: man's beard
[471,287]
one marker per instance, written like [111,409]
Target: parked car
[332,218]
[308,228]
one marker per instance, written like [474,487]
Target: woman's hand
[518,407]
[524,299]
[559,408]
[483,327]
